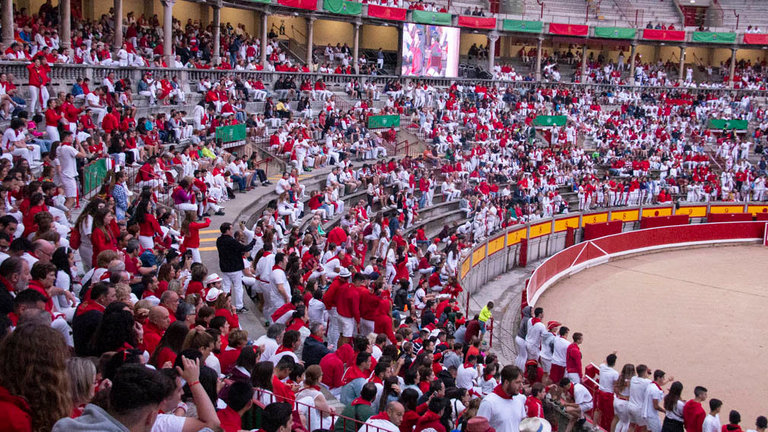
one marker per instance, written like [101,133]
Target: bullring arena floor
[701,315]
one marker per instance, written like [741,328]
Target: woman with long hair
[64,259]
[33,375]
[261,380]
[191,232]
[311,396]
[170,344]
[82,376]
[121,193]
[621,399]
[390,393]
[103,236]
[117,330]
[673,403]
[148,226]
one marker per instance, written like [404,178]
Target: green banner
[433,18]
[231,133]
[261,1]
[714,37]
[727,124]
[522,26]
[550,121]
[94,174]
[615,32]
[343,7]
[383,121]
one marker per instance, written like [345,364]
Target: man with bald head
[159,320]
[388,420]
[170,301]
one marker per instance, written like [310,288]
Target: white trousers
[233,282]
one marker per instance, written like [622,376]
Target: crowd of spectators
[360,303]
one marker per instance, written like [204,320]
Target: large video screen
[430,50]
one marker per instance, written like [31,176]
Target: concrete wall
[375,37]
[295,27]
[467,39]
[333,32]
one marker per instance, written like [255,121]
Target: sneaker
[242,310]
[219,213]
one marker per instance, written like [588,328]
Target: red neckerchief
[276,267]
[381,416]
[361,401]
[501,393]
[282,349]
[535,320]
[317,338]
[468,366]
[376,380]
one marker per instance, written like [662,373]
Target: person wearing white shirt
[92,101]
[467,373]
[652,401]
[606,379]
[637,386]
[578,401]
[270,341]
[279,290]
[505,406]
[67,156]
[548,346]
[712,421]
[559,353]
[536,330]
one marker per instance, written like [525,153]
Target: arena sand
[701,315]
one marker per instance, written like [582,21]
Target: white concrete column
[217,34]
[65,23]
[117,42]
[492,38]
[681,74]
[310,40]
[733,67]
[356,47]
[538,58]
[7,20]
[584,64]
[167,30]
[264,39]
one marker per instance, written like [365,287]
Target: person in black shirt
[232,265]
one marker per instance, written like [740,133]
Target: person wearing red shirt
[333,364]
[159,320]
[348,309]
[573,367]
[693,413]
[103,236]
[329,300]
[282,391]
[239,400]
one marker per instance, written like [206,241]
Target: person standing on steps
[231,264]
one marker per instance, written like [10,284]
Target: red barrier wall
[729,217]
[661,221]
[762,217]
[602,229]
[635,241]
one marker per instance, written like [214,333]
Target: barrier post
[490,331]
[522,260]
[468,295]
